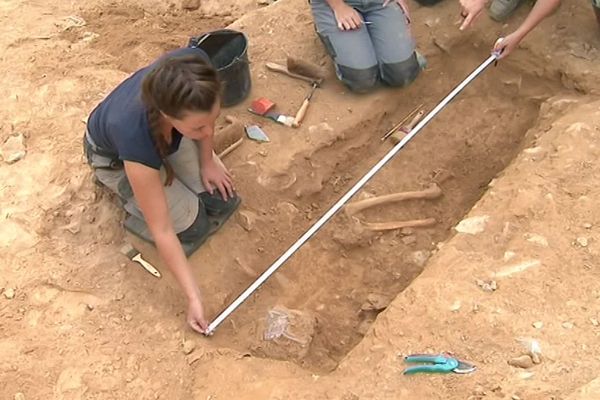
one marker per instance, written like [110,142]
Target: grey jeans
[182,195]
[383,50]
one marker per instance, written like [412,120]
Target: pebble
[90,307]
[246,219]
[515,397]
[188,347]
[19,396]
[408,240]
[128,317]
[567,325]
[523,361]
[9,293]
[587,225]
[13,149]
[473,225]
[538,325]
[594,321]
[190,4]
[582,241]
[487,286]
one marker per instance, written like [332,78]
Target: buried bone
[432,192]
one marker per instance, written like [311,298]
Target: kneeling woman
[150,142]
[370,41]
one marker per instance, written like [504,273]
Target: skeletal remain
[388,226]
[432,192]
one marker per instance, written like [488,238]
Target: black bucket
[228,52]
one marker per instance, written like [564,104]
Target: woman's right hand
[195,316]
[347,17]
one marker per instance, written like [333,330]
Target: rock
[246,219]
[19,396]
[128,317]
[537,239]
[90,307]
[473,225]
[582,241]
[188,347]
[594,321]
[419,257]
[408,240]
[190,5]
[9,293]
[538,324]
[407,231]
[515,397]
[364,326]
[13,149]
[536,358]
[567,325]
[587,225]
[523,361]
[375,302]
[487,286]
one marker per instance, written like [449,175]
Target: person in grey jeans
[368,40]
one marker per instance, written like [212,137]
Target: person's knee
[359,80]
[402,73]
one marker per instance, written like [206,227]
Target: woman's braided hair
[178,85]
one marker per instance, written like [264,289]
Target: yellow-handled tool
[304,107]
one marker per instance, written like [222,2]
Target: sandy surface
[517,150]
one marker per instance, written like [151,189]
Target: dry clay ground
[516,150]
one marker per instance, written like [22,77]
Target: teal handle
[436,364]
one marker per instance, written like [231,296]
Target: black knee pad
[359,80]
[402,73]
[199,229]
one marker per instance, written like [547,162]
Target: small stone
[13,149]
[407,231]
[375,302]
[128,317]
[536,358]
[582,241]
[487,286]
[538,325]
[190,5]
[455,306]
[594,321]
[408,240]
[515,397]
[90,307]
[523,361]
[420,257]
[537,239]
[122,265]
[473,225]
[188,347]
[246,219]
[9,293]
[526,375]
[567,325]
[19,396]
[587,225]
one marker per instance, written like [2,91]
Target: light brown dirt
[520,146]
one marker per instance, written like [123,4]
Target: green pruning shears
[437,363]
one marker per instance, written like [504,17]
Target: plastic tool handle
[301,113]
[146,265]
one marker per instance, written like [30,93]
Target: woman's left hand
[214,175]
[403,6]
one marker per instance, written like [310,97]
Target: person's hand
[347,17]
[403,6]
[471,9]
[504,46]
[214,175]
[195,316]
